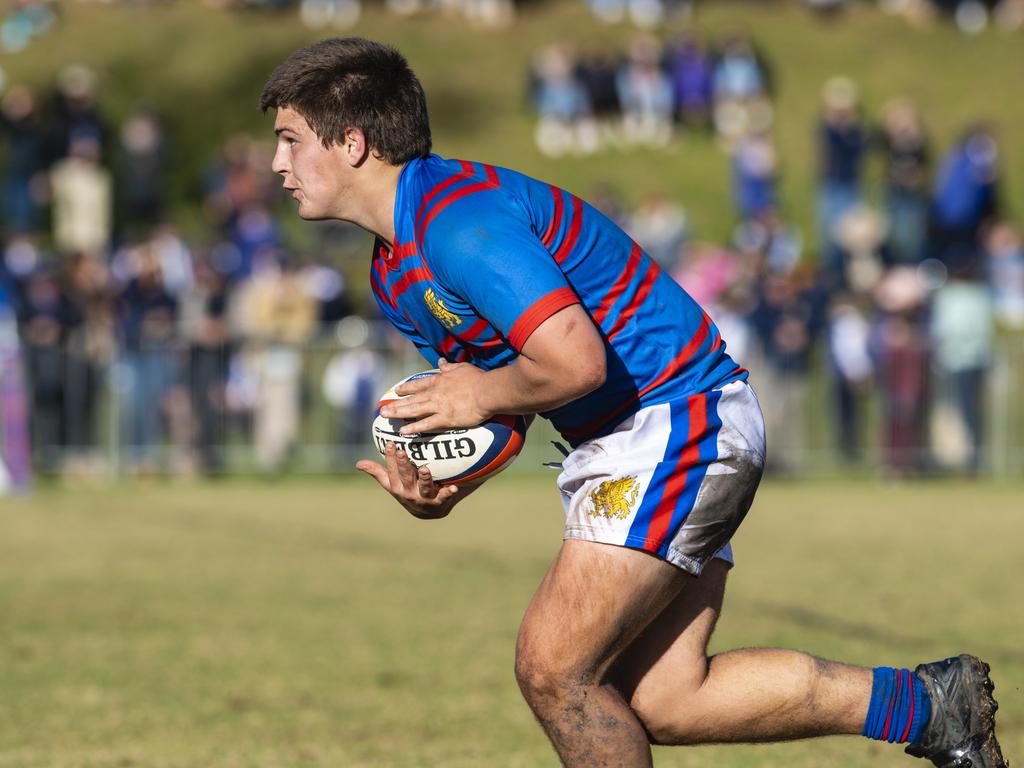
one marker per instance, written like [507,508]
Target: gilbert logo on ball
[454,456]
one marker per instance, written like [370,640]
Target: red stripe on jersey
[620,285]
[451,197]
[412,276]
[474,330]
[556,218]
[381,295]
[677,480]
[574,231]
[465,173]
[638,298]
[446,349]
[400,252]
[378,281]
[678,363]
[538,312]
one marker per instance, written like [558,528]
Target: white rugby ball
[454,456]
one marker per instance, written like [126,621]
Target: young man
[533,302]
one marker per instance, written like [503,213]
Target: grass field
[313,624]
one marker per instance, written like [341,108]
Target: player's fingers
[409,407]
[391,465]
[406,469]
[432,423]
[425,483]
[416,385]
[376,471]
[445,493]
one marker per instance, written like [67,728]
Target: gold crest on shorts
[615,498]
[437,308]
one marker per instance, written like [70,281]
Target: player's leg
[944,711]
[759,694]
[593,602]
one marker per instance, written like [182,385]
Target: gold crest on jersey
[615,498]
[440,311]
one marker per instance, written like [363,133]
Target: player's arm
[561,361]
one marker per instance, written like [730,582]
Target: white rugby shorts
[674,480]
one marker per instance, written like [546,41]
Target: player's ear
[355,147]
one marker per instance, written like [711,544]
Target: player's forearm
[527,387]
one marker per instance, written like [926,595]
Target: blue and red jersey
[484,255]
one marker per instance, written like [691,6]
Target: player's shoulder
[461,206]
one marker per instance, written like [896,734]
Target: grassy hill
[203,68]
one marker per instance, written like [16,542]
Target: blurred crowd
[131,335]
[902,292]
[597,99]
[127,346]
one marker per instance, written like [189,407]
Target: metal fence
[277,409]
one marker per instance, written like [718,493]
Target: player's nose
[280,161]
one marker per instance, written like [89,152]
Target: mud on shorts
[674,480]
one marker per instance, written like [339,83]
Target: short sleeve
[484,249]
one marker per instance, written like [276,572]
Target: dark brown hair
[351,82]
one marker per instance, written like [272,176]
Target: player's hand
[445,401]
[413,488]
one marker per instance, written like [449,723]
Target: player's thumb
[376,471]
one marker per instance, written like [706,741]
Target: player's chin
[310,215]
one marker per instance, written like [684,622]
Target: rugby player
[532,302]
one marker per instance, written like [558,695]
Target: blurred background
[839,183]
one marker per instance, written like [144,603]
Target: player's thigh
[594,601]
[668,660]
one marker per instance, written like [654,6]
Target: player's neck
[376,201]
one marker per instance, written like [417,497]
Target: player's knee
[543,678]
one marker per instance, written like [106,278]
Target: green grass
[203,70]
[315,624]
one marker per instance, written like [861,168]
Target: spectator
[142,174]
[24,169]
[902,355]
[565,125]
[755,176]
[849,334]
[1006,274]
[76,117]
[204,327]
[597,73]
[45,320]
[741,88]
[905,148]
[963,332]
[690,68]
[277,317]
[148,320]
[645,94]
[842,141]
[89,351]
[786,321]
[352,381]
[965,198]
[82,200]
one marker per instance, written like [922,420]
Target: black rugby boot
[961,731]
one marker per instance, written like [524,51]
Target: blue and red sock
[899,708]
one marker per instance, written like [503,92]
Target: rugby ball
[454,456]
